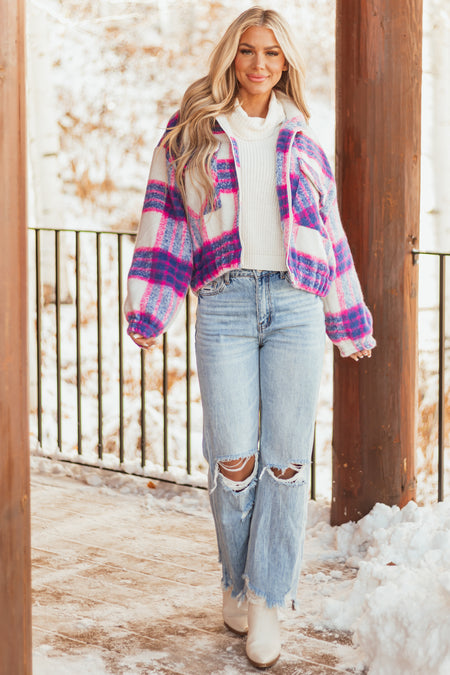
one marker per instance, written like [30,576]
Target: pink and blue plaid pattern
[176,247]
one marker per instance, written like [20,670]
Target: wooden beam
[15,583]
[378,98]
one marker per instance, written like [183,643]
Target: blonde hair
[191,141]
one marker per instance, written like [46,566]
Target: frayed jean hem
[257,597]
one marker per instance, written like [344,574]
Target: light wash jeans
[259,347]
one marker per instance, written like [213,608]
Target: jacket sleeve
[347,318]
[161,267]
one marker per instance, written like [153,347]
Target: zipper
[289,196]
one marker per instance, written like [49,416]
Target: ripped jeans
[259,347]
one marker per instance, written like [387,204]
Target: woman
[241,207]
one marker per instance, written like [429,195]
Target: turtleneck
[256,128]
[259,223]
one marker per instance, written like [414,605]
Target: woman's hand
[142,342]
[360,355]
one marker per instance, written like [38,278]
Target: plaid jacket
[176,247]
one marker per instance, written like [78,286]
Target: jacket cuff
[143,327]
[349,347]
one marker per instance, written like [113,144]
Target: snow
[67,665]
[398,607]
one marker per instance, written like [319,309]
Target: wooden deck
[126,577]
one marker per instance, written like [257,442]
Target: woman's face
[259,63]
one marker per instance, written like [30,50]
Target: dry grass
[86,188]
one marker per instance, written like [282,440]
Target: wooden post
[378,96]
[15,582]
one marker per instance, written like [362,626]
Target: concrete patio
[126,580]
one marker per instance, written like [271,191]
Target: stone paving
[128,574]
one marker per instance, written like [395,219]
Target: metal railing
[141,379]
[441,386]
[119,237]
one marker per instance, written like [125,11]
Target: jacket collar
[293,114]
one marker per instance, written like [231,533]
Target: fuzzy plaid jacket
[176,247]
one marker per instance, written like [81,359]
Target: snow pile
[398,607]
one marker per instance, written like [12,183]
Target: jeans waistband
[256,274]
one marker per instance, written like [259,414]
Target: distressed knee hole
[294,473]
[237,474]
[237,469]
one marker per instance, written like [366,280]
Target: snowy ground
[125,581]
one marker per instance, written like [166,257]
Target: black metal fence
[95,265]
[73,261]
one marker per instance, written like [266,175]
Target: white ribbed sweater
[259,223]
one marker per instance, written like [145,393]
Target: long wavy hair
[191,141]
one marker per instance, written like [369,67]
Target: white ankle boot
[264,639]
[234,615]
